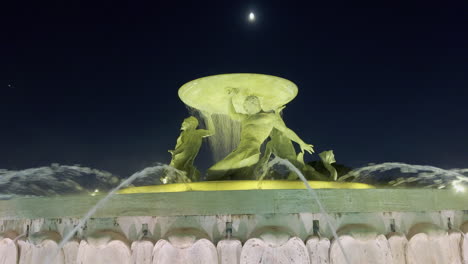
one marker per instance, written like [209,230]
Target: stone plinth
[256,226]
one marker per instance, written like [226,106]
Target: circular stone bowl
[211,94]
[243,185]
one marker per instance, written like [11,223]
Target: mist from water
[226,136]
[314,195]
[150,170]
[60,179]
[55,180]
[402,175]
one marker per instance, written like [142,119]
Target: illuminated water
[411,176]
[63,180]
[226,136]
[77,179]
[151,170]
[324,212]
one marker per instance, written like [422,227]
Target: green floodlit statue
[252,103]
[328,158]
[282,147]
[187,147]
[256,127]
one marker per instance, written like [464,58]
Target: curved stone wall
[424,243]
[268,229]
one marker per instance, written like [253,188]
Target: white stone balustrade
[426,243]
[8,248]
[276,226]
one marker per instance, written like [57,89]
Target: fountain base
[243,185]
[243,226]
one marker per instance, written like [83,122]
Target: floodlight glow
[95,192]
[242,185]
[458,188]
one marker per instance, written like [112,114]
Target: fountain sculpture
[241,211]
[254,102]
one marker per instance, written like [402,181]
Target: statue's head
[252,105]
[189,123]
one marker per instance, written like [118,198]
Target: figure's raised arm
[279,124]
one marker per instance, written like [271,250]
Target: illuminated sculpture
[328,158]
[256,127]
[187,147]
[247,110]
[282,147]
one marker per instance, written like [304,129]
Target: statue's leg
[300,166]
[237,159]
[311,174]
[261,168]
[193,174]
[232,163]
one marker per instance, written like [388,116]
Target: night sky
[96,83]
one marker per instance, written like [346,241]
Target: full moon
[251,17]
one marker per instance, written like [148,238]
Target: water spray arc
[101,203]
[314,195]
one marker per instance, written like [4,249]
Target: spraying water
[20,236]
[226,136]
[406,175]
[128,181]
[314,195]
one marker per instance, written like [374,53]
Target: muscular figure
[256,126]
[282,147]
[187,147]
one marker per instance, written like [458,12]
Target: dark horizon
[96,84]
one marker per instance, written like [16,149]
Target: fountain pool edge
[275,201]
[242,186]
[147,220]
